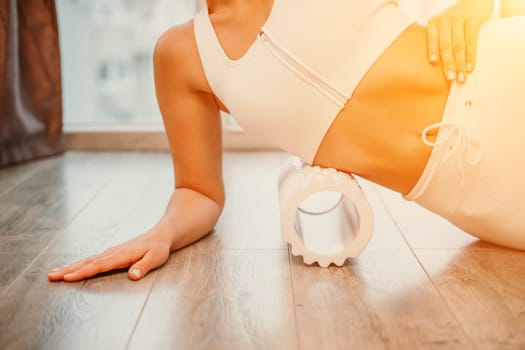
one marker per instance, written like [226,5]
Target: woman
[373,88]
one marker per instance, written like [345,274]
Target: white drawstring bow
[470,146]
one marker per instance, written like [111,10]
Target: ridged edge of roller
[351,184]
[309,259]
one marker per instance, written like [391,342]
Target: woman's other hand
[141,255]
[452,36]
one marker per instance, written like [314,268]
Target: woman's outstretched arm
[192,121]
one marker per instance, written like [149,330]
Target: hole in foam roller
[326,221]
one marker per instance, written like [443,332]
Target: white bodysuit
[304,66]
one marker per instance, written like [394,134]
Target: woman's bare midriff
[378,134]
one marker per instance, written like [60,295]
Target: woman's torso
[377,135]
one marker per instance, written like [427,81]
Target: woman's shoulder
[176,42]
[176,54]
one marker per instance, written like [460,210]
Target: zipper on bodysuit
[304,72]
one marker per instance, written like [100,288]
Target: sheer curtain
[30,83]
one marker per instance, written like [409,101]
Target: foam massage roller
[325,216]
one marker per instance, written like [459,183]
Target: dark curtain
[30,84]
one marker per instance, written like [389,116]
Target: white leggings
[475,176]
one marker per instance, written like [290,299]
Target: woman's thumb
[149,261]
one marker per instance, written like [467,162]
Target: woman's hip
[475,176]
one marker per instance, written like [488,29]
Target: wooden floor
[421,283]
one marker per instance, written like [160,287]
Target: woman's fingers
[143,253]
[446,47]
[472,27]
[455,32]
[448,42]
[58,273]
[433,41]
[100,265]
[459,48]
[152,259]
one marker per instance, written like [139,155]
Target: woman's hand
[452,36]
[143,253]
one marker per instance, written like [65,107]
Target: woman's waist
[386,150]
[393,141]
[380,128]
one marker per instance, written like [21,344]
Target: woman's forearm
[189,216]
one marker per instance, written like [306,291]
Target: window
[107,48]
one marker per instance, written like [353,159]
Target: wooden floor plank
[251,184]
[485,289]
[219,299]
[424,229]
[50,199]
[12,265]
[94,314]
[380,300]
[12,176]
[45,202]
[131,203]
[132,199]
